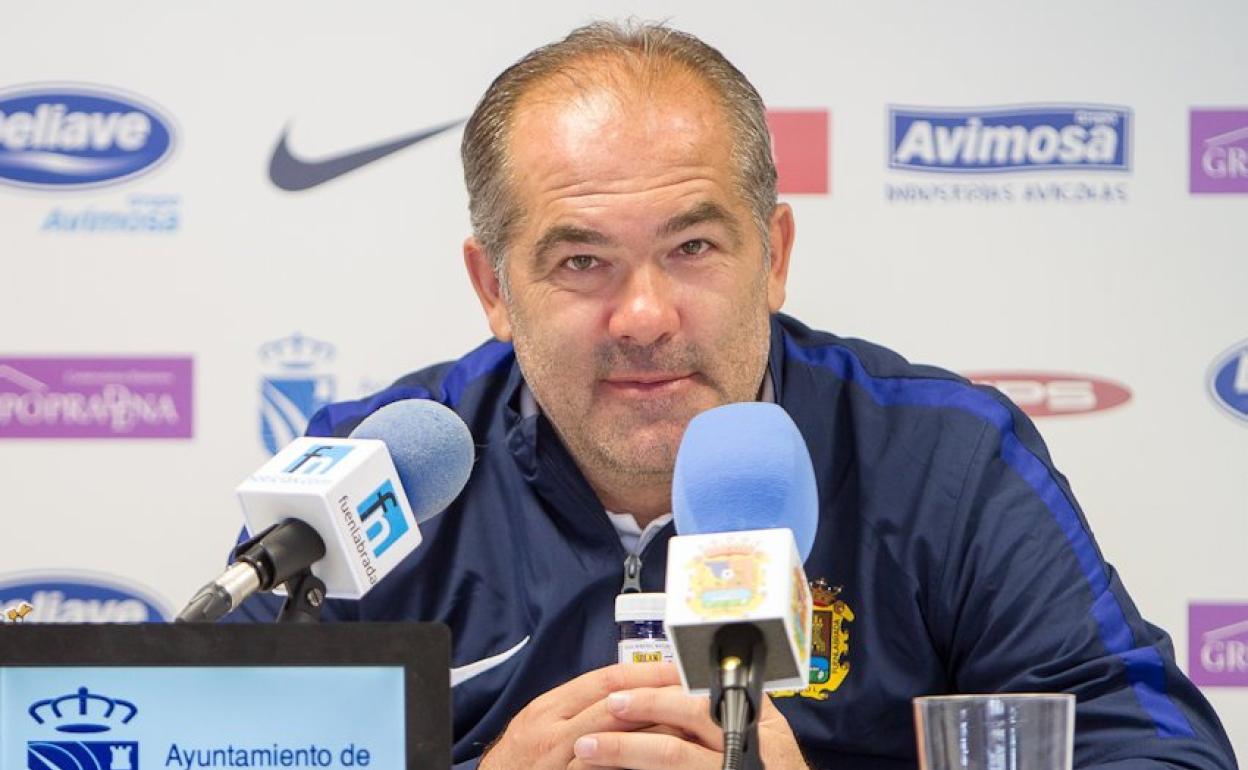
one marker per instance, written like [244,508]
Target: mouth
[647,383]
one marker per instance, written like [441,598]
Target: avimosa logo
[1050,394]
[69,136]
[1080,137]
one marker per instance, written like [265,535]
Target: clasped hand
[629,716]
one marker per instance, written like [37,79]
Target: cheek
[554,347]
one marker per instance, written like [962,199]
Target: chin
[650,450]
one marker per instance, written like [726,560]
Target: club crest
[829,642]
[726,580]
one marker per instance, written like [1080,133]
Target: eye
[580,262]
[695,247]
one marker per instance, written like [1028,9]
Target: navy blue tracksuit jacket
[954,555]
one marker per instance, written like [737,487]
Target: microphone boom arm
[739,661]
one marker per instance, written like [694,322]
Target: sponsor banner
[68,136]
[1217,645]
[1070,140]
[1219,151]
[1050,394]
[77,597]
[293,172]
[89,397]
[294,385]
[979,140]
[140,213]
[1228,381]
[136,717]
[799,143]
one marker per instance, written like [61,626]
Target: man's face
[639,294]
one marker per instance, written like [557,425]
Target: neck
[643,501]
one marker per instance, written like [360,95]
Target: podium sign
[192,696]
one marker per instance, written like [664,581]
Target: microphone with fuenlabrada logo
[335,516]
[738,604]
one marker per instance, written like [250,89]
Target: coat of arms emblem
[829,642]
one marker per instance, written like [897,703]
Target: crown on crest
[296,352]
[82,712]
[823,594]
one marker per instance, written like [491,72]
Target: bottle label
[645,651]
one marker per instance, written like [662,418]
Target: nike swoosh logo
[294,174]
[466,672]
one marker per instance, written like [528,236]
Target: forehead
[584,133]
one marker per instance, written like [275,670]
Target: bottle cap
[634,608]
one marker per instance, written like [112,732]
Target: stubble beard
[610,448]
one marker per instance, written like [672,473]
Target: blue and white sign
[1228,381]
[121,718]
[56,137]
[393,522]
[977,140]
[78,597]
[318,460]
[294,386]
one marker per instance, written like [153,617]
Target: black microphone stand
[305,598]
[739,662]
[305,592]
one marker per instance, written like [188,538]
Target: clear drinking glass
[995,732]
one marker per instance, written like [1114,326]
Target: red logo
[1051,394]
[799,142]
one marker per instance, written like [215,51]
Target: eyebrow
[561,234]
[707,212]
[703,213]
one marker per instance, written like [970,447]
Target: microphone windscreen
[431,448]
[745,466]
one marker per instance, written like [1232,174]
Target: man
[631,259]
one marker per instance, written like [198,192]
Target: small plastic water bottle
[640,621]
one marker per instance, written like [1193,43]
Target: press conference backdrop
[195,257]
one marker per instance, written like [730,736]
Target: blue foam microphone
[738,604]
[431,447]
[745,467]
[348,509]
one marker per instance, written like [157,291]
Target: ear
[781,232]
[485,283]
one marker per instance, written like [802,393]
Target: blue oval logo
[1228,381]
[59,137]
[77,598]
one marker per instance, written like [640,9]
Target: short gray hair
[650,48]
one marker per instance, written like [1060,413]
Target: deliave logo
[77,597]
[56,136]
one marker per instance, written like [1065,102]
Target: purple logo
[1217,644]
[95,397]
[1219,161]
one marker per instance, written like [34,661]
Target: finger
[580,764]
[599,718]
[668,706]
[675,732]
[644,751]
[577,695]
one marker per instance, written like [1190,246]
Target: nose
[646,312]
